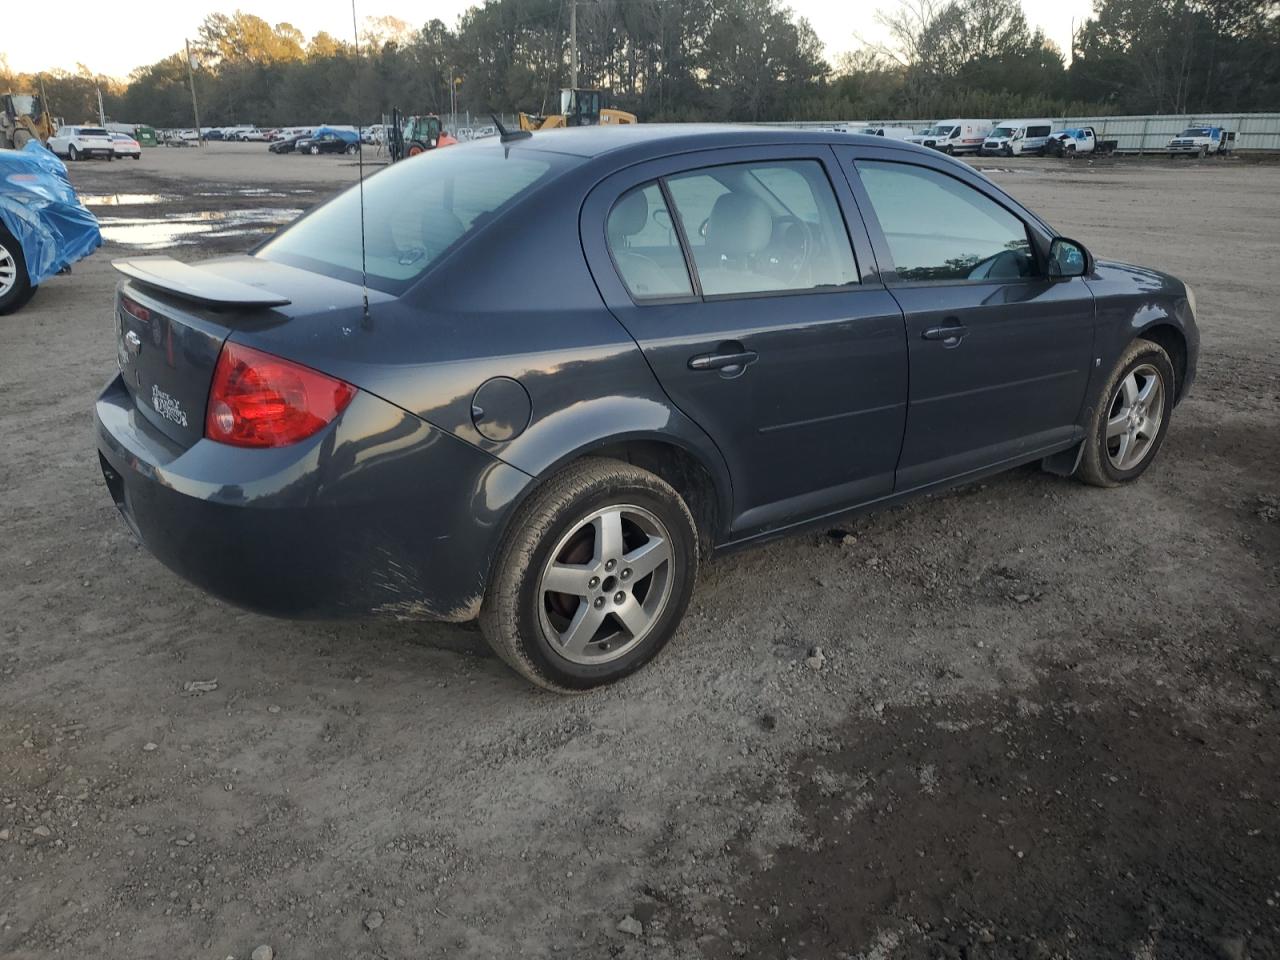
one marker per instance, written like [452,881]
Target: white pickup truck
[1077,141]
[1200,142]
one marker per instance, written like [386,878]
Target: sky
[113,38]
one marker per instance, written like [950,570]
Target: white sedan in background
[126,146]
[76,143]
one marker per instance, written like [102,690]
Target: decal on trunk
[167,406]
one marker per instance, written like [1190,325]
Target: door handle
[950,333]
[730,359]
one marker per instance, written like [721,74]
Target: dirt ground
[1047,724]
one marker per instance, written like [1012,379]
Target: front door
[740,283]
[1000,354]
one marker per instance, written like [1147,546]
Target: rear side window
[1038,131]
[939,228]
[644,245]
[772,226]
[414,211]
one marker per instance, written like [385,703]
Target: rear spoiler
[194,283]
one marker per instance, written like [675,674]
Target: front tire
[15,284]
[315,151]
[1130,417]
[593,576]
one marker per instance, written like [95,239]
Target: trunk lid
[173,318]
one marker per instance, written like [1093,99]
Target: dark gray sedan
[566,368]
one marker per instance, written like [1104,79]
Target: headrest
[739,225]
[629,215]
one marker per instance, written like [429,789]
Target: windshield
[414,211]
[1002,132]
[1195,132]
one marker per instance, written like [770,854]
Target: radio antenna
[364,263]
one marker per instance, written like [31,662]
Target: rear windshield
[92,132]
[414,211]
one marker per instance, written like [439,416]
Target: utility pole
[102,114]
[573,43]
[195,109]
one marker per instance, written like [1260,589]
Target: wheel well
[686,473]
[1175,345]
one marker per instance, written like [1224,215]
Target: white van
[896,133]
[1012,138]
[955,136]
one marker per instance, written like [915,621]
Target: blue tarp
[39,207]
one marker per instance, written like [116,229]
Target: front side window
[939,228]
[771,226]
[413,212]
[643,243]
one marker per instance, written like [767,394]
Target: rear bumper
[378,515]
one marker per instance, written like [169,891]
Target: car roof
[657,139]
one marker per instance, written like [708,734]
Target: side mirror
[1067,259]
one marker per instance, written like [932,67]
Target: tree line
[681,60]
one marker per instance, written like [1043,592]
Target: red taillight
[260,400]
[135,309]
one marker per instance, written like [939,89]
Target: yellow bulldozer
[23,117]
[578,108]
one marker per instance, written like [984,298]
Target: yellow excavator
[23,117]
[578,108]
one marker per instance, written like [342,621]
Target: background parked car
[897,133]
[1200,142]
[213,135]
[78,143]
[955,136]
[126,146]
[1077,141]
[1017,137]
[287,145]
[327,140]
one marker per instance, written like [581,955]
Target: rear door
[756,302]
[1000,354]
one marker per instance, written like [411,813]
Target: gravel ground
[1043,723]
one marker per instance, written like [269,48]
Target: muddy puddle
[169,229]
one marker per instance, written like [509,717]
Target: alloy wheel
[605,584]
[8,271]
[1134,417]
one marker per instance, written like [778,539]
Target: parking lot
[1045,721]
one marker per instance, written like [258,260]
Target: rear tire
[15,284]
[631,541]
[1130,417]
[73,153]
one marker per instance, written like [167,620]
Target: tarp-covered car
[43,226]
